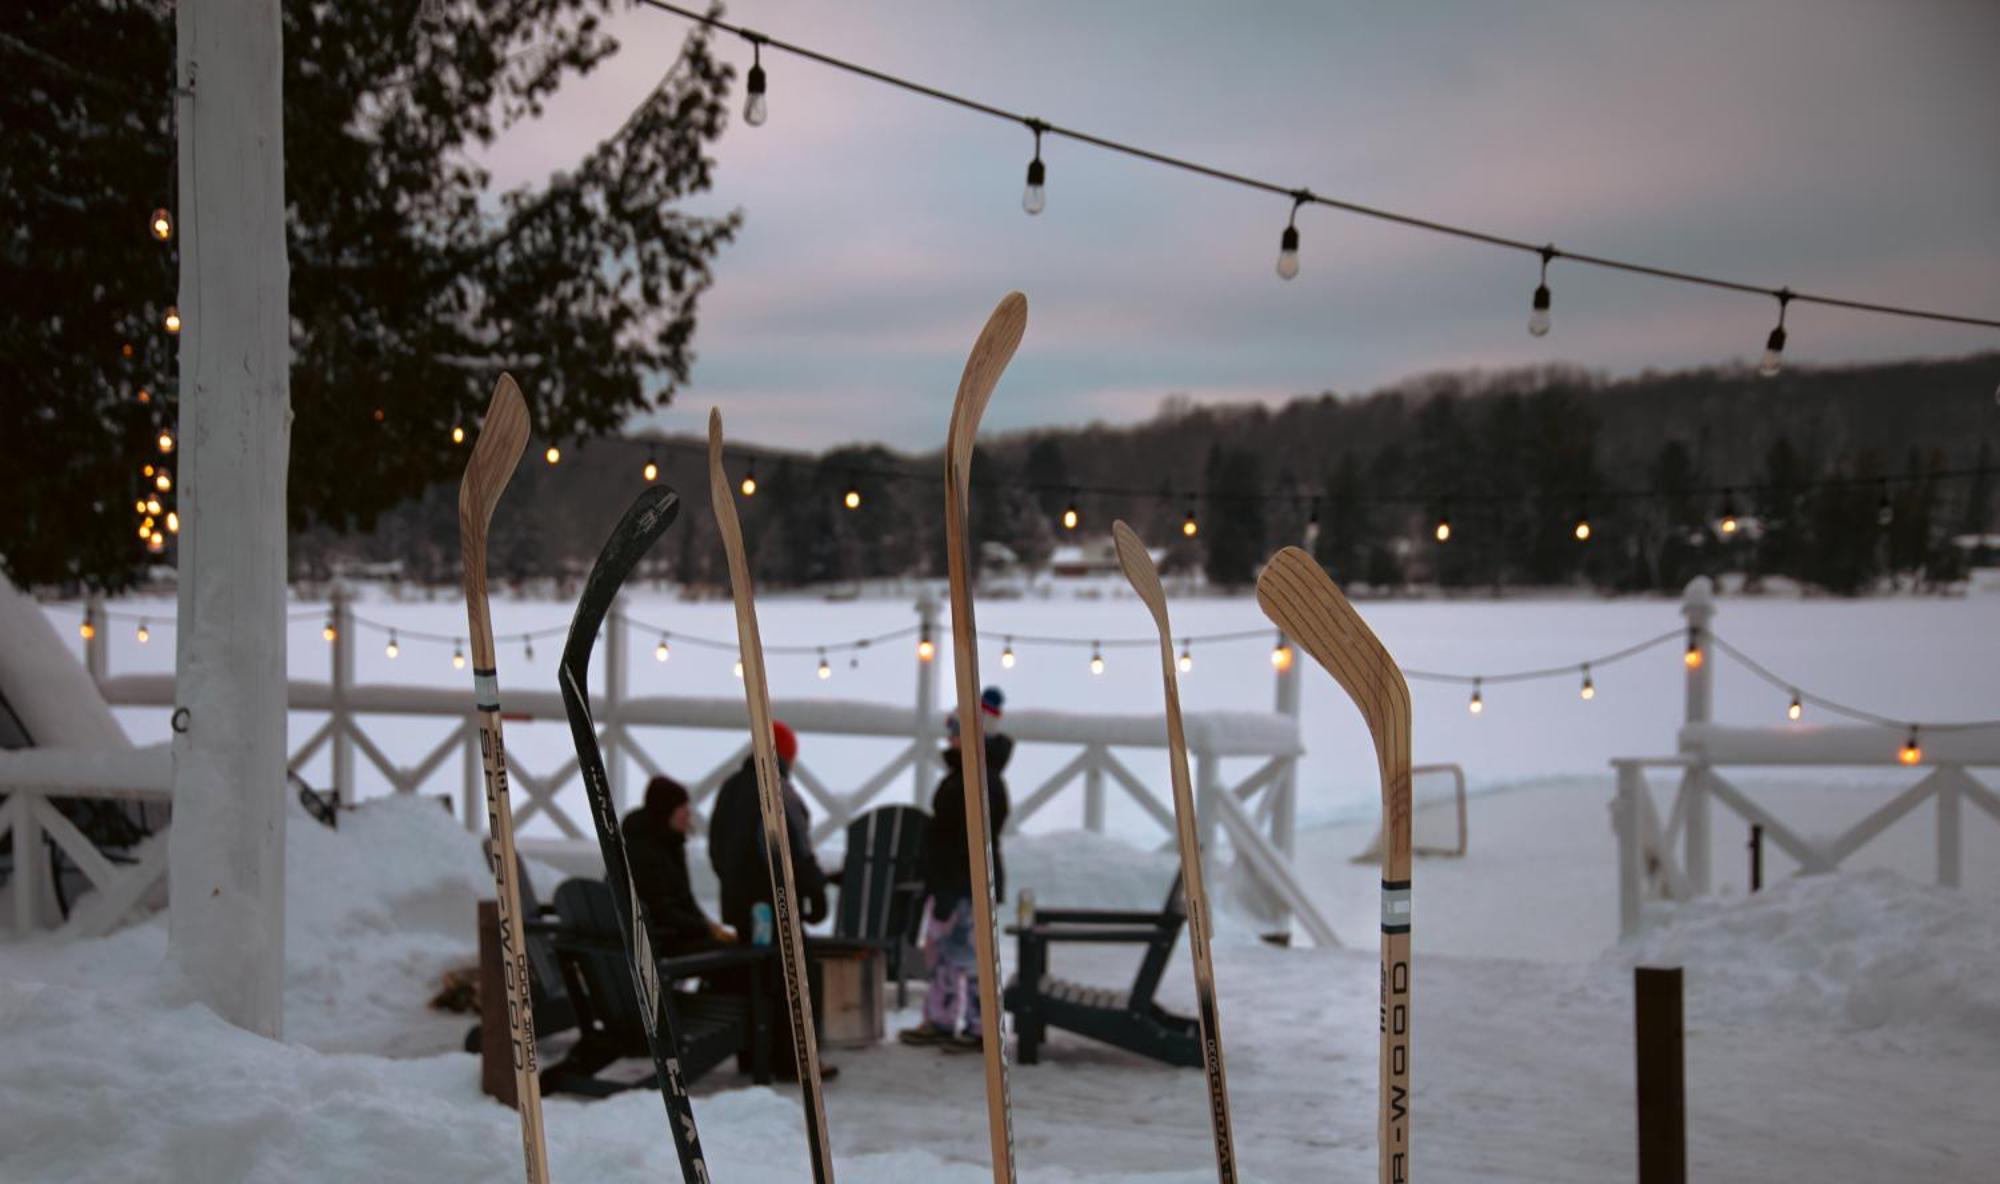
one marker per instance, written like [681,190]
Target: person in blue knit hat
[948,946]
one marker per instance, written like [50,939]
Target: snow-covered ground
[1841,1028]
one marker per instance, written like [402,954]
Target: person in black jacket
[736,842]
[948,945]
[656,851]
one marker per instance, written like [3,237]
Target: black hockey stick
[645,522]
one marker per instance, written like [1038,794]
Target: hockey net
[1437,814]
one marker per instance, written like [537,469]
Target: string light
[1774,345]
[1096,659]
[1189,527]
[527,648]
[852,498]
[162,224]
[392,649]
[825,671]
[1281,656]
[146,530]
[458,433]
[1071,516]
[926,649]
[1538,316]
[87,630]
[1729,522]
[737,670]
[143,633]
[457,654]
[553,455]
[173,522]
[749,485]
[163,481]
[1478,702]
[166,441]
[144,396]
[1187,657]
[157,543]
[1692,656]
[139,506]
[1589,689]
[1034,199]
[151,505]
[1796,709]
[1288,242]
[173,319]
[756,108]
[1007,655]
[652,470]
[148,470]
[1912,751]
[327,631]
[1443,531]
[1582,530]
[660,652]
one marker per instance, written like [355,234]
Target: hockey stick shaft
[1145,580]
[771,803]
[990,353]
[649,516]
[494,456]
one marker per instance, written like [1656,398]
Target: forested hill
[1806,460]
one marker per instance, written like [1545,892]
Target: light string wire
[1854,713]
[1303,196]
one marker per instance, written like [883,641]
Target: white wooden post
[31,869]
[1093,793]
[1208,787]
[923,775]
[96,651]
[1631,861]
[226,849]
[341,612]
[1947,826]
[610,715]
[1698,606]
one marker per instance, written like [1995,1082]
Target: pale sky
[1837,146]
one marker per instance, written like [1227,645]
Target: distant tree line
[1836,478]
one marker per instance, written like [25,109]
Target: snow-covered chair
[711,1026]
[1128,1019]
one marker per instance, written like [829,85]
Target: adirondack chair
[712,1026]
[881,890]
[553,1010]
[1128,1019]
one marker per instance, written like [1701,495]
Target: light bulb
[528,649]
[1795,709]
[86,630]
[145,634]
[1478,703]
[144,396]
[1582,528]
[1188,526]
[148,470]
[162,224]
[1035,199]
[852,499]
[737,670]
[1729,524]
[457,656]
[1443,530]
[1281,657]
[1007,655]
[152,505]
[825,671]
[156,544]
[1589,689]
[926,650]
[173,522]
[328,632]
[756,109]
[146,529]
[173,319]
[166,441]
[1096,659]
[1288,253]
[458,433]
[139,507]
[1070,517]
[392,649]
[749,485]
[1187,658]
[1692,658]
[1774,353]
[1538,319]
[652,470]
[1912,751]
[553,455]
[660,652]
[163,481]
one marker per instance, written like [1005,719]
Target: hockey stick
[1145,580]
[989,357]
[651,513]
[770,799]
[494,455]
[1304,602]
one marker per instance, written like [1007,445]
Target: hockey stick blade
[771,806]
[1303,601]
[496,453]
[647,519]
[1145,580]
[990,354]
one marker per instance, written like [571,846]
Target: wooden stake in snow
[226,851]
[1145,580]
[770,798]
[1303,601]
[990,355]
[501,440]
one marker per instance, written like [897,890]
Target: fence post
[341,612]
[1947,826]
[1631,861]
[30,863]
[612,715]
[1093,792]
[96,646]
[1208,786]
[923,773]
[1662,1072]
[1698,606]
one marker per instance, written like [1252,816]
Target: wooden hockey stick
[990,355]
[501,440]
[1145,580]
[1304,602]
[777,842]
